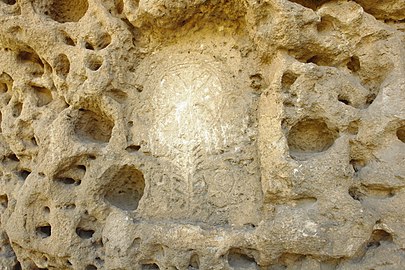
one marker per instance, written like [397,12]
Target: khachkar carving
[201,135]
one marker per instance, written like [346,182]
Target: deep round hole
[126,188]
[310,136]
[93,127]
[91,267]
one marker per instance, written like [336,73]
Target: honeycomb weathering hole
[379,236]
[94,62]
[62,65]
[99,42]
[44,231]
[62,10]
[95,127]
[9,2]
[126,188]
[238,260]
[150,266]
[401,134]
[84,233]
[43,94]
[310,136]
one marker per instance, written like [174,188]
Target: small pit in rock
[84,233]
[126,188]
[4,201]
[310,136]
[357,164]
[44,95]
[345,100]
[101,41]
[194,262]
[17,109]
[377,237]
[356,193]
[238,260]
[401,134]
[150,266]
[44,231]
[119,6]
[62,10]
[71,175]
[133,148]
[24,174]
[3,88]
[94,62]
[288,79]
[32,58]
[67,39]
[354,64]
[17,266]
[62,66]
[312,4]
[93,127]
[9,2]
[118,95]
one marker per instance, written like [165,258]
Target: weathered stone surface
[198,134]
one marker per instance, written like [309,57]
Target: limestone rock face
[195,134]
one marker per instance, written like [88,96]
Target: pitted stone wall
[197,134]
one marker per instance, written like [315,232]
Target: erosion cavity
[238,260]
[401,134]
[126,188]
[62,10]
[93,127]
[310,136]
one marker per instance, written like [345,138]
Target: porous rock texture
[202,134]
